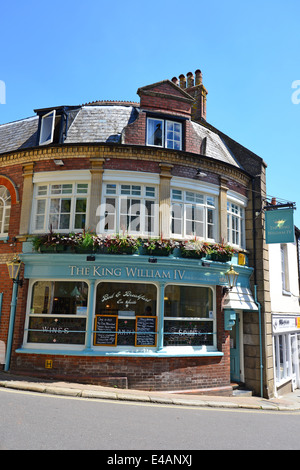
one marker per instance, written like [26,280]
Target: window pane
[123,303]
[46,134]
[150,191]
[55,311]
[42,190]
[67,188]
[82,188]
[59,298]
[111,189]
[125,189]
[109,222]
[189,315]
[64,223]
[188,301]
[177,194]
[176,226]
[155,132]
[149,217]
[80,205]
[173,135]
[56,189]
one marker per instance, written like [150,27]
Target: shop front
[286,352]
[147,323]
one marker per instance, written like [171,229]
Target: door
[295,361]
[235,351]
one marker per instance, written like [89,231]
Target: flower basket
[219,257]
[189,253]
[158,247]
[193,249]
[220,252]
[121,245]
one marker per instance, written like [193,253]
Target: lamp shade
[13,268]
[232,276]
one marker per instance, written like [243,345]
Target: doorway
[235,369]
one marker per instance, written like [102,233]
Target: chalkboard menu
[112,331]
[145,331]
[106,330]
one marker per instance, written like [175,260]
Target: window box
[193,249]
[159,247]
[219,257]
[220,252]
[121,244]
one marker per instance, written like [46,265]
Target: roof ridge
[108,102]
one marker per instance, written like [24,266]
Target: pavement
[288,402]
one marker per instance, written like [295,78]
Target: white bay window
[193,214]
[61,206]
[130,207]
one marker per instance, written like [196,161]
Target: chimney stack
[194,87]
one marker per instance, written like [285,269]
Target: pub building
[130,226]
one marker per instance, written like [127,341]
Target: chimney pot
[198,75]
[175,80]
[190,79]
[182,81]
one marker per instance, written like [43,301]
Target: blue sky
[72,52]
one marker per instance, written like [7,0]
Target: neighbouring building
[284,289]
[79,185]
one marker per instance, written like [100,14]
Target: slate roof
[215,146]
[19,134]
[92,123]
[100,123]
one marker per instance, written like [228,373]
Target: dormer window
[164,133]
[47,128]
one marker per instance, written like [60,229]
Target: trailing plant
[121,243]
[160,245]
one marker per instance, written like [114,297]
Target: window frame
[44,119]
[183,201]
[284,262]
[213,319]
[6,196]
[50,196]
[165,122]
[236,222]
[55,346]
[113,190]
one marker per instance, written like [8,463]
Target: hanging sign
[280,226]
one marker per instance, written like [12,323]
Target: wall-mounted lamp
[58,162]
[231,276]
[200,173]
[14,269]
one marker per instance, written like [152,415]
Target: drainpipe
[13,306]
[260,341]
[1,298]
